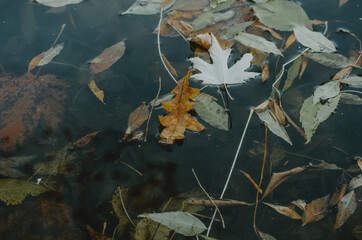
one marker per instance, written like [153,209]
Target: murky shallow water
[84,195]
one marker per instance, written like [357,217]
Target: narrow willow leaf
[333,60]
[271,31]
[326,91]
[346,207]
[97,92]
[146,7]
[256,42]
[353,81]
[181,222]
[14,191]
[211,112]
[282,15]
[348,98]
[45,57]
[341,74]
[337,195]
[355,182]
[289,41]
[265,73]
[288,212]
[230,32]
[292,73]
[316,210]
[314,40]
[57,3]
[271,120]
[301,204]
[137,118]
[304,66]
[265,236]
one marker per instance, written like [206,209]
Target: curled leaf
[288,212]
[136,119]
[316,210]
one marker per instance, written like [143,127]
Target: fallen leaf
[316,210]
[108,57]
[355,182]
[359,163]
[278,178]
[304,66]
[289,41]
[57,3]
[278,112]
[292,73]
[288,212]
[314,40]
[341,74]
[333,60]
[120,193]
[328,166]
[265,73]
[93,87]
[83,141]
[147,229]
[317,22]
[231,31]
[353,81]
[265,236]
[342,2]
[203,40]
[337,195]
[178,119]
[45,57]
[271,31]
[169,66]
[346,207]
[94,235]
[218,72]
[301,204]
[252,181]
[181,222]
[326,91]
[136,119]
[146,7]
[349,98]
[8,165]
[256,42]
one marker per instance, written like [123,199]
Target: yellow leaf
[93,87]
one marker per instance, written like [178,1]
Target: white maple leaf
[218,72]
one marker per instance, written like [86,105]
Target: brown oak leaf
[178,119]
[24,101]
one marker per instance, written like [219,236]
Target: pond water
[81,193]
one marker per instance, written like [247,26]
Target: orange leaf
[83,141]
[34,62]
[203,40]
[338,195]
[288,212]
[165,3]
[265,28]
[178,119]
[316,210]
[278,112]
[303,67]
[136,119]
[346,207]
[342,2]
[289,42]
[108,57]
[172,69]
[265,73]
[342,73]
[359,163]
[99,93]
[317,22]
[252,181]
[45,57]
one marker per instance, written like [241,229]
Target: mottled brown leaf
[337,195]
[94,88]
[136,119]
[344,72]
[265,73]
[286,211]
[346,207]
[316,210]
[355,182]
[83,141]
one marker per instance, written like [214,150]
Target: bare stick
[159,47]
[232,166]
[153,105]
[218,202]
[139,173]
[203,189]
[124,207]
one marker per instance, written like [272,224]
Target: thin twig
[124,207]
[159,47]
[352,91]
[179,33]
[232,167]
[134,169]
[203,189]
[153,105]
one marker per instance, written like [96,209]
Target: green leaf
[259,43]
[353,81]
[292,73]
[314,40]
[333,60]
[282,15]
[13,191]
[230,32]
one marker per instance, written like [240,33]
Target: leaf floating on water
[337,195]
[341,74]
[146,7]
[147,228]
[326,91]
[83,141]
[286,211]
[342,2]
[93,87]
[169,66]
[328,166]
[108,57]
[314,40]
[278,178]
[45,57]
[359,163]
[349,98]
[136,119]
[203,40]
[181,222]
[265,236]
[346,207]
[333,60]
[355,182]
[316,210]
[271,31]
[14,191]
[292,73]
[211,112]
[304,66]
[256,42]
[353,81]
[230,32]
[57,3]
[282,15]
[289,41]
[178,119]
[265,73]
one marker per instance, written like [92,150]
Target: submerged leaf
[137,118]
[337,195]
[230,32]
[8,165]
[314,40]
[346,207]
[256,42]
[147,229]
[57,3]
[146,7]
[94,88]
[353,81]
[96,235]
[355,182]
[349,98]
[292,73]
[181,222]
[83,141]
[316,210]
[265,236]
[284,210]
[45,57]
[333,60]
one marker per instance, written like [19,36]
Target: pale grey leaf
[50,54]
[211,112]
[230,32]
[259,43]
[355,182]
[346,207]
[333,60]
[352,99]
[181,222]
[326,91]
[146,7]
[274,126]
[353,81]
[57,3]
[325,110]
[8,165]
[219,17]
[282,15]
[314,40]
[292,73]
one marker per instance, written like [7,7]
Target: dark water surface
[83,195]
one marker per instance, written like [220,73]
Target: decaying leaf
[146,7]
[83,141]
[316,210]
[256,42]
[203,40]
[218,202]
[326,91]
[169,66]
[327,166]
[314,40]
[337,195]
[14,191]
[278,178]
[108,57]
[292,73]
[265,236]
[136,119]
[181,222]
[8,165]
[231,31]
[147,229]
[341,74]
[286,211]
[120,193]
[346,207]
[265,73]
[289,41]
[57,3]
[211,112]
[353,81]
[178,119]
[301,204]
[97,92]
[333,60]
[355,182]
[96,235]
[45,57]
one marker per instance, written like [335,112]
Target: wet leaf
[97,92]
[353,81]
[146,7]
[57,3]
[359,163]
[108,57]
[45,57]
[190,5]
[218,72]
[120,193]
[282,15]
[278,178]
[271,31]
[349,98]
[256,42]
[83,141]
[288,212]
[344,72]
[96,235]
[279,114]
[169,66]
[265,236]
[342,2]
[333,60]
[346,207]
[304,66]
[178,119]
[314,40]
[14,191]
[8,165]
[289,41]
[137,118]
[301,204]
[265,73]
[292,73]
[337,195]
[181,222]
[316,210]
[146,229]
[355,182]
[211,112]
[328,166]
[231,31]
[203,40]
[326,91]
